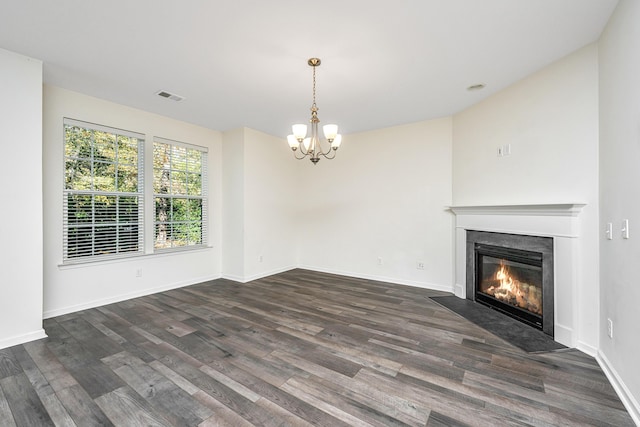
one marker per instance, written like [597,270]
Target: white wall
[259,205]
[71,288]
[384,196]
[233,204]
[619,199]
[551,121]
[21,213]
[270,205]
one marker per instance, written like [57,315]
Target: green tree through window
[103,192]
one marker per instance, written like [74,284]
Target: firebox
[512,274]
[510,280]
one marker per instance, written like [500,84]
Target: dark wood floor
[298,348]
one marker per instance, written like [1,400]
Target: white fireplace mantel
[559,221]
[566,209]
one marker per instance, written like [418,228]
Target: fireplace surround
[513,274]
[561,222]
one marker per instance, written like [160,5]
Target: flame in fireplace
[509,289]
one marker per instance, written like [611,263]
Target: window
[180,195]
[103,192]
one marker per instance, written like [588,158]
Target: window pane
[162,233]
[179,210]
[79,241]
[180,235]
[161,181]
[195,210]
[128,210]
[78,142]
[77,174]
[104,146]
[161,156]
[178,182]
[127,150]
[195,233]
[104,176]
[127,238]
[127,178]
[105,209]
[79,208]
[163,209]
[105,239]
[179,158]
[195,161]
[194,184]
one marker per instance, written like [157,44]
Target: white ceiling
[244,62]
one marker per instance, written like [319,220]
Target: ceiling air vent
[171,96]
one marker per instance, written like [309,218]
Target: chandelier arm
[299,158]
[327,154]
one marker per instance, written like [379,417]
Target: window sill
[132,258]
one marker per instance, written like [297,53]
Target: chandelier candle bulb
[312,146]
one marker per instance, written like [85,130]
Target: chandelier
[312,146]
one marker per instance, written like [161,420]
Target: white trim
[629,402]
[246,279]
[585,348]
[102,128]
[563,209]
[132,258]
[24,338]
[124,297]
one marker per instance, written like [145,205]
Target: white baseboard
[122,297]
[459,290]
[245,279]
[563,335]
[629,401]
[21,339]
[586,348]
[416,284]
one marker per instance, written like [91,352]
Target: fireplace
[512,274]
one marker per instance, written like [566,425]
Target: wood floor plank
[297,348]
[6,416]
[125,408]
[26,406]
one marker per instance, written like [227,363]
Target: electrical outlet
[609,328]
[379,260]
[260,258]
[420,265]
[139,272]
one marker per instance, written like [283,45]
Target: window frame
[119,248]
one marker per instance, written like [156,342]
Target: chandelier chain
[314,87]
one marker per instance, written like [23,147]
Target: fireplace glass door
[510,280]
